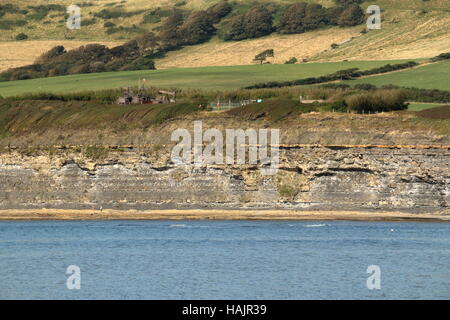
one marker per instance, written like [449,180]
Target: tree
[333,14]
[351,16]
[316,16]
[197,28]
[52,53]
[258,22]
[292,19]
[237,31]
[219,11]
[261,57]
[301,17]
[168,33]
[147,44]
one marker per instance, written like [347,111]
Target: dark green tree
[351,16]
[219,11]
[197,28]
[258,22]
[292,19]
[168,34]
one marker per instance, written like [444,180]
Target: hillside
[433,76]
[411,29]
[210,78]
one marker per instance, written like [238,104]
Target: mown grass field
[209,78]
[432,76]
[418,106]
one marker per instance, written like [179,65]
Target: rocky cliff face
[389,178]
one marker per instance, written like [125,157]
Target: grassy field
[433,76]
[212,78]
[419,106]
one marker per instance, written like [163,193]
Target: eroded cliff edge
[411,179]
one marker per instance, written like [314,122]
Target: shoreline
[217,214]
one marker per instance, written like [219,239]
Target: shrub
[88,22]
[156,15]
[10,24]
[292,60]
[381,100]
[41,11]
[442,56]
[21,36]
[365,86]
[346,74]
[348,2]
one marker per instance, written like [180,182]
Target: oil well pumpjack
[128,97]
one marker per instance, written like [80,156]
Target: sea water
[224,260]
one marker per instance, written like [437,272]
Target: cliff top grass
[47,122]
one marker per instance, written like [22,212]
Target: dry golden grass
[20,53]
[219,53]
[404,35]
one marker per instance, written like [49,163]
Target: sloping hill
[411,29]
[212,78]
[432,76]
[219,53]
[405,34]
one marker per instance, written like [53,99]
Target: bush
[348,2]
[292,60]
[41,11]
[346,74]
[156,15]
[442,56]
[109,24]
[10,24]
[365,86]
[21,36]
[115,13]
[378,101]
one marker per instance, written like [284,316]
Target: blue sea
[224,260]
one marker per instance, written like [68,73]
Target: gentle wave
[316,225]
